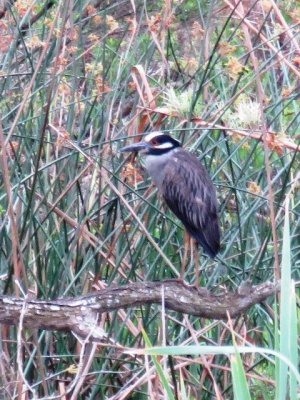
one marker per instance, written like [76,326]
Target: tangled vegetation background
[79,79]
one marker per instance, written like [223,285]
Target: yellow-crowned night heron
[185,186]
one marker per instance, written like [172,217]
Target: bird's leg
[187,243]
[197,263]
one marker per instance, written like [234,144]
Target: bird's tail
[208,238]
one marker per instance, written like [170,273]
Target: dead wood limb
[80,314]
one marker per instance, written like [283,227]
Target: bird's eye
[154,142]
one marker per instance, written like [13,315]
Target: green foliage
[69,99]
[162,376]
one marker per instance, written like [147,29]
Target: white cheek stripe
[164,146]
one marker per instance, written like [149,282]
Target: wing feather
[190,194]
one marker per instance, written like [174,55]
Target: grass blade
[288,321]
[240,385]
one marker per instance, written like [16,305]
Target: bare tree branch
[80,314]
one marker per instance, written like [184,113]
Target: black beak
[136,147]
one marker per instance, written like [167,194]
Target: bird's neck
[155,165]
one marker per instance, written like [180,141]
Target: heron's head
[154,143]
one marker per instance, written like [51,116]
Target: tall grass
[79,80]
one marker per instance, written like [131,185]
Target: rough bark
[80,314]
